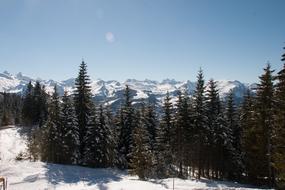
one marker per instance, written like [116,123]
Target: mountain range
[111,92]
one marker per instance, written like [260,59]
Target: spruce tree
[37,103]
[111,149]
[182,123]
[151,124]
[141,155]
[53,132]
[104,135]
[264,128]
[214,121]
[100,141]
[164,141]
[83,103]
[127,125]
[249,136]
[43,106]
[279,128]
[27,110]
[200,127]
[70,131]
[233,132]
[91,151]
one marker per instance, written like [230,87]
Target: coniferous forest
[200,136]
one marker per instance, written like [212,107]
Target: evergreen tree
[279,128]
[53,132]
[127,125]
[182,123]
[164,141]
[83,103]
[151,124]
[104,135]
[91,151]
[214,121]
[70,131]
[249,136]
[43,106]
[27,111]
[112,136]
[264,128]
[200,128]
[233,132]
[100,141]
[37,103]
[141,159]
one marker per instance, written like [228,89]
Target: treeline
[195,136]
[10,109]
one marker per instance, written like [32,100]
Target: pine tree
[214,120]
[83,103]
[182,123]
[141,159]
[264,110]
[151,124]
[53,132]
[279,128]
[101,141]
[127,125]
[37,103]
[249,136]
[27,113]
[200,127]
[164,141]
[233,155]
[43,106]
[112,138]
[104,135]
[91,151]
[70,131]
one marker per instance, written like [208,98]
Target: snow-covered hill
[112,91]
[26,175]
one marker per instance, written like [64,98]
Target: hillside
[26,175]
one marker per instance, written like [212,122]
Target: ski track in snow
[26,175]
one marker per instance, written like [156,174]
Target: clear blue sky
[154,39]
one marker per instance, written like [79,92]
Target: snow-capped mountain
[112,91]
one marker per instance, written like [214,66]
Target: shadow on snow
[73,174]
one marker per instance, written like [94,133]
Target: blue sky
[154,39]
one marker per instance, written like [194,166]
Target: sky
[142,39]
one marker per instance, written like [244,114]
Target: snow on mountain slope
[26,175]
[108,91]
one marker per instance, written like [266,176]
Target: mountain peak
[6,73]
[112,90]
[169,81]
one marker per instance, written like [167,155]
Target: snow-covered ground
[26,175]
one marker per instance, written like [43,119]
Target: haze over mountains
[111,92]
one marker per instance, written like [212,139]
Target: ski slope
[26,175]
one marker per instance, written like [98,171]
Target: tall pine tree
[264,127]
[52,145]
[214,122]
[234,160]
[83,103]
[141,154]
[27,113]
[127,125]
[163,150]
[279,130]
[200,127]
[249,136]
[70,131]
